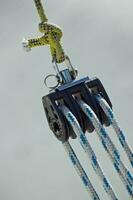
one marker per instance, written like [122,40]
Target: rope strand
[110,148]
[122,139]
[88,150]
[89,187]
[40,10]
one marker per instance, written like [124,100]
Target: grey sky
[98,36]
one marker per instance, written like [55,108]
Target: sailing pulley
[74,107]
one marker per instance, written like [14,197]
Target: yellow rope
[40,11]
[52,35]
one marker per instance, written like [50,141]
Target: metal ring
[51,87]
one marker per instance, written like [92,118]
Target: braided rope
[52,35]
[110,148]
[89,187]
[109,113]
[40,11]
[88,150]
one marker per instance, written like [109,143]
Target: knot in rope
[52,36]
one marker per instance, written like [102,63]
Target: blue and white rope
[88,150]
[109,113]
[110,148]
[89,187]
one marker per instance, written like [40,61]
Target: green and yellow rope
[40,10]
[52,35]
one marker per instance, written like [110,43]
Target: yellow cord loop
[52,35]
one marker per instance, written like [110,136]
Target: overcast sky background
[98,36]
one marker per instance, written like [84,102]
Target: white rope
[89,187]
[110,148]
[109,113]
[88,150]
